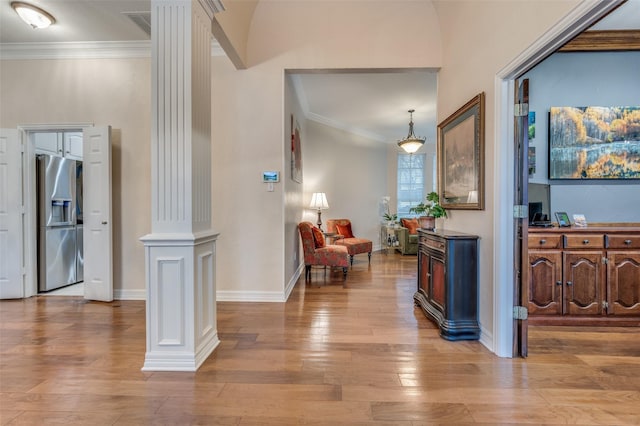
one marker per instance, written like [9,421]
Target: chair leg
[344,273]
[307,272]
[369,258]
[351,259]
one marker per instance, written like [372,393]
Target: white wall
[351,170]
[585,79]
[294,191]
[112,92]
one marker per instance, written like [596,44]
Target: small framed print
[563,219]
[270,177]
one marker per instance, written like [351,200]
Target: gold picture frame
[461,157]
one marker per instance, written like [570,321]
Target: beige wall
[104,92]
[250,136]
[479,38]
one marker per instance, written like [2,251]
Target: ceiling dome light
[33,15]
[411,143]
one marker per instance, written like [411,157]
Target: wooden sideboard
[581,274]
[448,282]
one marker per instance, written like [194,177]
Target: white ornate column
[180,251]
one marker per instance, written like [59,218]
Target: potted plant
[429,211]
[390,218]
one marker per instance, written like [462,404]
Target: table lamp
[319,201]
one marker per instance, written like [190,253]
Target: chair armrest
[402,234]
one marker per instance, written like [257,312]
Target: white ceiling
[370,104]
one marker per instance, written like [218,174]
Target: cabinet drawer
[623,241]
[434,244]
[544,241]
[584,241]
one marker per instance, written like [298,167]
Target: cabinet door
[438,283]
[424,272]
[623,273]
[583,274]
[47,143]
[72,142]
[545,282]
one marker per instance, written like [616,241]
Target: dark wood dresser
[448,282]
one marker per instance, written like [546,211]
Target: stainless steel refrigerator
[58,211]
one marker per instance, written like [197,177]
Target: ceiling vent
[141,19]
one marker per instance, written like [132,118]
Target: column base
[181,301]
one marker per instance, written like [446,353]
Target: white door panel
[98,270]
[11,262]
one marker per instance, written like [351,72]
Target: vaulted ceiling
[370,104]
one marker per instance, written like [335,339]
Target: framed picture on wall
[594,142]
[296,151]
[461,157]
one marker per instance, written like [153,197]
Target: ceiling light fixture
[411,143]
[33,15]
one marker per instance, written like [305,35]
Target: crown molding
[84,50]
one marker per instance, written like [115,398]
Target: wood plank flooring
[354,352]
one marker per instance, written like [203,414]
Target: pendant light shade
[411,143]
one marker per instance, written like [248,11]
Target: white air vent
[141,19]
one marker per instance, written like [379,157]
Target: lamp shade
[33,15]
[411,143]
[319,201]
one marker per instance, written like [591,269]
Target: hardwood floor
[354,352]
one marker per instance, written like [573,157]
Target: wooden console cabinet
[448,282]
[584,272]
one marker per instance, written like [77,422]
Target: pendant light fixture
[411,143]
[33,15]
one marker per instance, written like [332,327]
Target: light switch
[270,186]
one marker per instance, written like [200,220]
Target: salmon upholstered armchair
[317,252]
[353,244]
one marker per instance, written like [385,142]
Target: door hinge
[520,211]
[520,110]
[605,261]
[605,304]
[520,313]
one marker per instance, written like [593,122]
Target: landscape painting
[594,142]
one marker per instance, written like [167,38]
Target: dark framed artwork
[461,157]
[296,151]
[594,142]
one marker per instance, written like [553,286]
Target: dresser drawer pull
[585,241]
[627,242]
[558,282]
[542,242]
[569,283]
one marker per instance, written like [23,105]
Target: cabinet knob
[543,242]
[569,283]
[627,242]
[585,241]
[558,282]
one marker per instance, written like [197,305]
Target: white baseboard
[130,294]
[486,338]
[250,296]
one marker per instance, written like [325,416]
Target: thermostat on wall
[270,177]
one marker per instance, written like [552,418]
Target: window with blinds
[410,182]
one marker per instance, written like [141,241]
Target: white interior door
[98,270]
[11,212]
